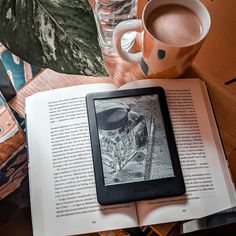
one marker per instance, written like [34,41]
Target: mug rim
[186,3]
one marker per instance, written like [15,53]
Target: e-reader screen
[132,139]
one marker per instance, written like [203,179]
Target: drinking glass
[108,14]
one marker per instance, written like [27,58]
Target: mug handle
[122,28]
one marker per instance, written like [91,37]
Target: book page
[209,188]
[62,185]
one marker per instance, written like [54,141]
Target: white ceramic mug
[157,58]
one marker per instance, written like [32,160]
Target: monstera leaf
[56,34]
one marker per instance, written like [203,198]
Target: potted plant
[56,34]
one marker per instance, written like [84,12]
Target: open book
[62,186]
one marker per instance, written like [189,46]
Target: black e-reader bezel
[144,189]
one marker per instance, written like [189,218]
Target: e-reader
[133,146]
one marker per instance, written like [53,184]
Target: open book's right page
[209,188]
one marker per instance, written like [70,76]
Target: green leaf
[56,34]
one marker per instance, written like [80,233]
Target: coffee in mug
[174,24]
[172,33]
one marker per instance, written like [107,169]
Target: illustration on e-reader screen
[132,140]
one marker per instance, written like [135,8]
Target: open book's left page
[62,186]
